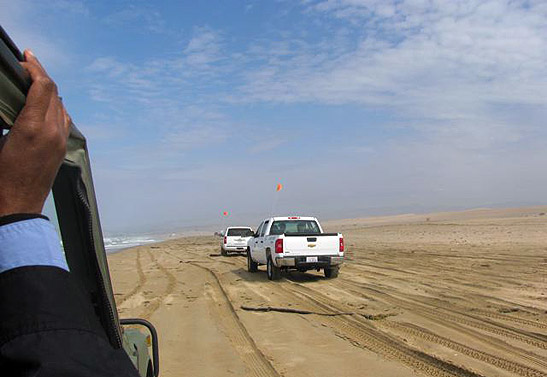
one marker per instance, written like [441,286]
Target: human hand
[32,152]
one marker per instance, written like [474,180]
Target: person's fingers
[32,59]
[60,121]
[54,116]
[67,121]
[52,113]
[38,99]
[40,92]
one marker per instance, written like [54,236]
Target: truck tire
[331,273]
[252,266]
[274,273]
[223,252]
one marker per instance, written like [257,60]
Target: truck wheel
[274,273]
[252,266]
[331,273]
[223,252]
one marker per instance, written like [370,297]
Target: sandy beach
[445,294]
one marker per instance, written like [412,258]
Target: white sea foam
[117,243]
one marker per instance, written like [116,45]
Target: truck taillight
[279,246]
[341,245]
[225,239]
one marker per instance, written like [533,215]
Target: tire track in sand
[253,358]
[364,335]
[419,332]
[361,333]
[418,305]
[171,282]
[140,283]
[509,318]
[434,316]
[415,331]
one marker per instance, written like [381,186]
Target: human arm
[30,156]
[48,325]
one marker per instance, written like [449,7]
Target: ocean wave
[112,244]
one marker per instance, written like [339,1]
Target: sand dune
[446,294]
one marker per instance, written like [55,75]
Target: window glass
[264,228]
[259,229]
[295,227]
[240,232]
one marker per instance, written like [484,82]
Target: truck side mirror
[136,338]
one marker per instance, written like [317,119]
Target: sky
[358,107]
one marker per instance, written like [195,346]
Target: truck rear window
[294,227]
[240,232]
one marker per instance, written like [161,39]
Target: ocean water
[116,243]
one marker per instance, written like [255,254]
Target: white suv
[235,238]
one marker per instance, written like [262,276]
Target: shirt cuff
[31,242]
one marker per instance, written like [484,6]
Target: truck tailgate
[236,241]
[318,244]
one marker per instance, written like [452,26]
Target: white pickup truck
[294,242]
[235,239]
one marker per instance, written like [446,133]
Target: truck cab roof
[275,218]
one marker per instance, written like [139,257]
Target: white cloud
[203,48]
[100,132]
[271,142]
[145,17]
[70,6]
[168,95]
[442,66]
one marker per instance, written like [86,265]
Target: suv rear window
[240,232]
[294,227]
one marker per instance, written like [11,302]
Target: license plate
[311,259]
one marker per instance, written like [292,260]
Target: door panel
[261,250]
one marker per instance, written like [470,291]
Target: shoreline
[155,242]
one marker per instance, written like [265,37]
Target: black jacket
[48,328]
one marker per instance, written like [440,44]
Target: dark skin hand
[32,152]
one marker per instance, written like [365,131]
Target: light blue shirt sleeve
[31,242]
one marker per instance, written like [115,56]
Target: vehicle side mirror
[134,336]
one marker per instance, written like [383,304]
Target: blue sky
[358,107]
